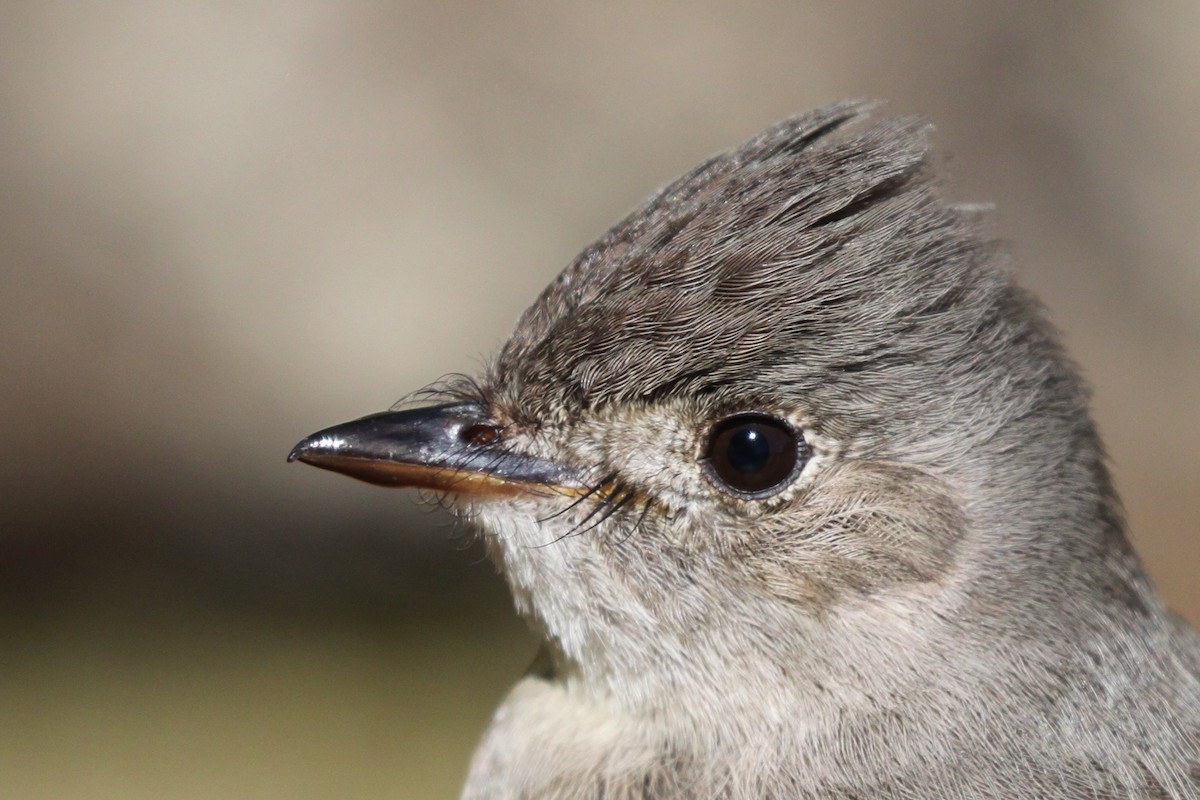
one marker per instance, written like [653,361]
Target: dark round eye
[752,455]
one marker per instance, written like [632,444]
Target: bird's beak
[448,448]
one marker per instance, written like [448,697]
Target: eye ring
[753,455]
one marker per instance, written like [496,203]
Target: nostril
[480,434]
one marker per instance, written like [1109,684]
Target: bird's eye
[753,455]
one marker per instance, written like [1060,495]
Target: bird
[801,496]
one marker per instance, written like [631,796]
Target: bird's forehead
[776,256]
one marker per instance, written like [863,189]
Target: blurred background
[225,225]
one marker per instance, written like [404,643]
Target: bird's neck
[695,656]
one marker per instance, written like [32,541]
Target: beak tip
[300,450]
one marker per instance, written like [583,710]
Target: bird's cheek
[866,528]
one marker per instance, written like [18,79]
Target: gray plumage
[942,605]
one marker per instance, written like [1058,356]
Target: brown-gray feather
[951,605]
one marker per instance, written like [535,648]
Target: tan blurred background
[224,225]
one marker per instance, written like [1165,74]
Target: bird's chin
[548,570]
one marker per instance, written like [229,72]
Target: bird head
[789,416]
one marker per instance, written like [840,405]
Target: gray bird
[803,499]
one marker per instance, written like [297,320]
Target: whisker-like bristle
[604,482]
[646,505]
